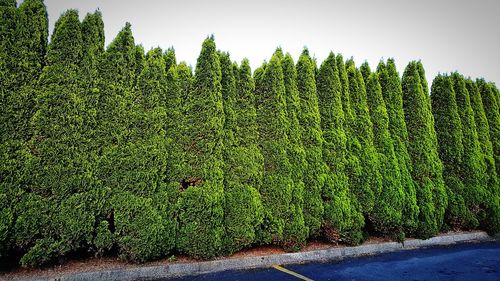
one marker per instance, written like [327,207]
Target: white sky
[447,35]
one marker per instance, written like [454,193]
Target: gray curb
[184,269]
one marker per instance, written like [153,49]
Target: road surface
[459,262]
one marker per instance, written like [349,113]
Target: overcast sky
[447,35]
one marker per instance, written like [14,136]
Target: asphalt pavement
[459,262]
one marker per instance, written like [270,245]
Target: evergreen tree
[390,200]
[368,182]
[185,81]
[342,221]
[295,151]
[393,100]
[201,204]
[489,219]
[427,167]
[169,58]
[58,162]
[491,108]
[451,150]
[93,48]
[277,184]
[145,171]
[365,72]
[176,170]
[483,134]
[140,62]
[477,187]
[23,36]
[58,131]
[116,116]
[312,140]
[243,160]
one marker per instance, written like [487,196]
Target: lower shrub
[242,214]
[142,231]
[201,217]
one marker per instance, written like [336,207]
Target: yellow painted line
[277,267]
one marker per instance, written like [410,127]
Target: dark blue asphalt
[460,262]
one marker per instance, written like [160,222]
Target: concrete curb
[185,269]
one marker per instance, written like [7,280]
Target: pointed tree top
[66,43]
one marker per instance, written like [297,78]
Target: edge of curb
[196,268]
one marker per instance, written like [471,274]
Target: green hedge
[121,152]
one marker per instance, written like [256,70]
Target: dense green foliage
[451,150]
[120,152]
[479,193]
[243,161]
[387,216]
[368,183]
[295,151]
[422,148]
[283,222]
[491,109]
[342,219]
[312,141]
[393,99]
[201,228]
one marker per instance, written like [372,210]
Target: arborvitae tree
[365,72]
[342,221]
[58,162]
[93,48]
[368,182]
[23,34]
[201,211]
[312,140]
[186,81]
[8,22]
[115,115]
[176,170]
[243,162]
[483,133]
[390,200]
[277,184]
[427,167]
[145,171]
[58,123]
[491,108]
[477,188]
[295,151]
[169,58]
[489,219]
[451,150]
[140,62]
[353,164]
[393,100]
[8,18]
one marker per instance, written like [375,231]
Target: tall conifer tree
[243,161]
[491,110]
[365,72]
[477,192]
[427,167]
[488,219]
[295,151]
[393,99]
[201,204]
[277,185]
[369,182]
[451,150]
[389,202]
[342,220]
[312,140]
